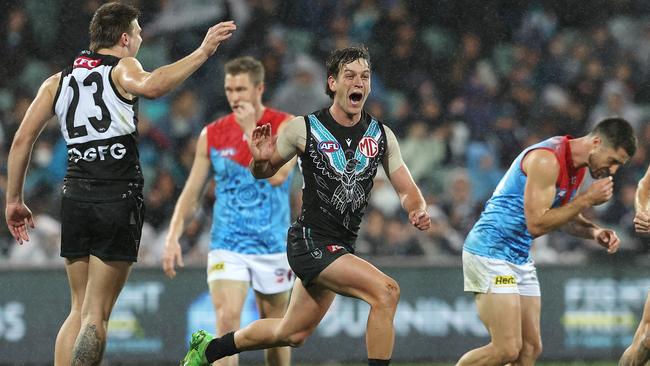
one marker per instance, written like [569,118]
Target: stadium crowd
[465,87]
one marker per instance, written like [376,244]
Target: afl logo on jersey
[86,62]
[328,146]
[368,147]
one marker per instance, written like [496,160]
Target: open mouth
[355,98]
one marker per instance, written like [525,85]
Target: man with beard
[538,194]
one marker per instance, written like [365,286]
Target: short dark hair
[246,65]
[617,133]
[109,22]
[341,57]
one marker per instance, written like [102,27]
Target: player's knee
[97,317]
[75,313]
[508,351]
[532,349]
[388,295]
[77,305]
[297,339]
[228,320]
[508,355]
[394,290]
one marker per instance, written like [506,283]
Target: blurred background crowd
[464,84]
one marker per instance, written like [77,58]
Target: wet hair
[338,58]
[109,22]
[246,65]
[617,133]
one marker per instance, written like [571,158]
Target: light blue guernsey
[501,231]
[250,216]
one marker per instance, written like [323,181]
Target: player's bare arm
[409,194]
[542,169]
[133,80]
[641,204]
[581,227]
[410,197]
[245,117]
[187,203]
[17,214]
[270,153]
[283,173]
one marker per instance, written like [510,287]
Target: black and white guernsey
[100,129]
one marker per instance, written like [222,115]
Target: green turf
[598,363]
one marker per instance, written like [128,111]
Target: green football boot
[196,355]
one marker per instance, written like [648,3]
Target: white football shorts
[483,275]
[267,273]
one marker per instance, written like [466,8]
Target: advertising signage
[587,314]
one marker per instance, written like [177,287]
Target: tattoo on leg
[642,355]
[89,348]
[635,356]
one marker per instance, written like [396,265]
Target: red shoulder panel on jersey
[225,135]
[570,178]
[274,117]
[86,62]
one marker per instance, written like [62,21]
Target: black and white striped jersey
[99,125]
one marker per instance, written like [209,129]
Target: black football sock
[377,362]
[221,347]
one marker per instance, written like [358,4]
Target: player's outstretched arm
[402,181]
[186,204]
[642,203]
[270,153]
[133,79]
[245,117]
[283,173]
[542,169]
[17,214]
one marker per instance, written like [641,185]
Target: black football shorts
[107,230]
[309,255]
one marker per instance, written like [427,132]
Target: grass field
[598,363]
[546,363]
